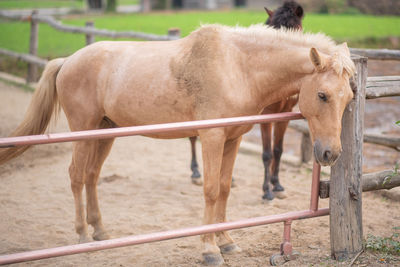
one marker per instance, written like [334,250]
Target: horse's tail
[44,102]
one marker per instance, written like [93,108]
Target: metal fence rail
[145,129]
[286,247]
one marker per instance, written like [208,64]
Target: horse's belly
[173,135]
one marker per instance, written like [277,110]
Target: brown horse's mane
[263,34]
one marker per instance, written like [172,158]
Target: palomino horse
[289,15]
[215,72]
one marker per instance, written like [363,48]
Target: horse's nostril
[327,155]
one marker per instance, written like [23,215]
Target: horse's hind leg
[77,175]
[224,240]
[88,157]
[98,154]
[266,130]
[279,132]
[194,166]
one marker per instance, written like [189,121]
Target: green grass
[31,4]
[128,2]
[386,245]
[353,26]
[15,35]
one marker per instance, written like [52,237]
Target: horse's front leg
[225,242]
[212,148]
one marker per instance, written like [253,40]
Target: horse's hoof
[278,188]
[213,259]
[197,181]
[280,195]
[98,236]
[84,239]
[196,174]
[230,249]
[268,196]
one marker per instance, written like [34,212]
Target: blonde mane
[260,33]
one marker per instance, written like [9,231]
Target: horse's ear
[345,48]
[299,12]
[269,12]
[319,61]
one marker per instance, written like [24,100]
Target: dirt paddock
[145,187]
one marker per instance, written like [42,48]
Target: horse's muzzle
[324,155]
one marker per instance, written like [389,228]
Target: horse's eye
[322,96]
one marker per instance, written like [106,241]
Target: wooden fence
[347,182]
[89,30]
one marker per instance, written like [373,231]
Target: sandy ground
[144,188]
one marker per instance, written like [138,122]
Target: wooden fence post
[33,47]
[174,32]
[345,185]
[89,37]
[306,148]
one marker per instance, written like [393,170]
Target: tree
[111,5]
[95,4]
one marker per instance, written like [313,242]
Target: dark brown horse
[290,16]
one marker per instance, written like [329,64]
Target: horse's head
[323,97]
[289,15]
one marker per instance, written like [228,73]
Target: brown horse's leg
[279,133]
[212,147]
[266,129]
[83,158]
[224,240]
[77,175]
[100,151]
[194,166]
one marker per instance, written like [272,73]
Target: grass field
[21,4]
[31,4]
[15,35]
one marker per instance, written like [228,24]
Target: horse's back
[112,77]
[137,83]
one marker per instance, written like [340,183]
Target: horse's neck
[277,73]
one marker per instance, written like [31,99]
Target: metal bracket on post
[287,253]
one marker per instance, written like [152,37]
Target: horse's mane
[260,33]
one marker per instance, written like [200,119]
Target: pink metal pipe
[152,237]
[286,246]
[145,129]
[316,173]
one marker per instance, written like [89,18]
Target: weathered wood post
[33,47]
[89,37]
[306,148]
[345,185]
